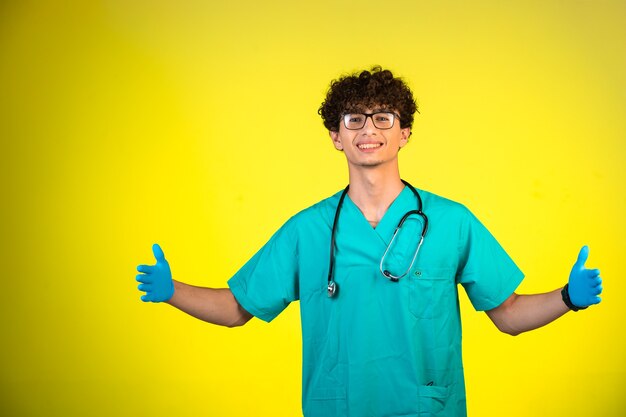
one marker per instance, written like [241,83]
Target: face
[370,146]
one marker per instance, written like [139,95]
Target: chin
[371,164]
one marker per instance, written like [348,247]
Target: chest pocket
[432,292]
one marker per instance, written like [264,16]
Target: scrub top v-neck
[379,347]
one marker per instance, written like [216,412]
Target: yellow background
[193,124]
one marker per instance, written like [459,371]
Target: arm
[521,313]
[213,305]
[217,306]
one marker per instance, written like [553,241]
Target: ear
[336,141]
[405,133]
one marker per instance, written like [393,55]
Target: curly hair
[377,88]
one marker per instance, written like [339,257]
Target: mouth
[370,146]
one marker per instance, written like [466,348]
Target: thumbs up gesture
[584,285]
[156,280]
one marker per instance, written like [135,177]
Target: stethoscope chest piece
[332,289]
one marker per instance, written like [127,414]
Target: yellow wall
[193,124]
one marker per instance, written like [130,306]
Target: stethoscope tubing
[332,285]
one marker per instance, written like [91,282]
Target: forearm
[521,313]
[213,305]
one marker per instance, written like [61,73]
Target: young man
[380,315]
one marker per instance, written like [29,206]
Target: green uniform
[379,348]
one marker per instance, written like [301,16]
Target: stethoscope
[332,285]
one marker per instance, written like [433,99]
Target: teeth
[369,145]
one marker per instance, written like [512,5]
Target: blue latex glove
[156,280]
[584,284]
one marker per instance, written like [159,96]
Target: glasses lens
[383,120]
[355,121]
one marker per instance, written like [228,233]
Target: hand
[156,280]
[584,284]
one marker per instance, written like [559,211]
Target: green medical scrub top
[379,348]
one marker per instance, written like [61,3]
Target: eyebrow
[374,110]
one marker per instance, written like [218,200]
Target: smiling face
[370,146]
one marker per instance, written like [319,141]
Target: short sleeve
[486,271]
[268,282]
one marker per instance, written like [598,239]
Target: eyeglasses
[381,120]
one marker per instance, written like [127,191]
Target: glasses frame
[370,115]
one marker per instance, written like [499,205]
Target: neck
[373,191]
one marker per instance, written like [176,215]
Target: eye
[382,117]
[355,118]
